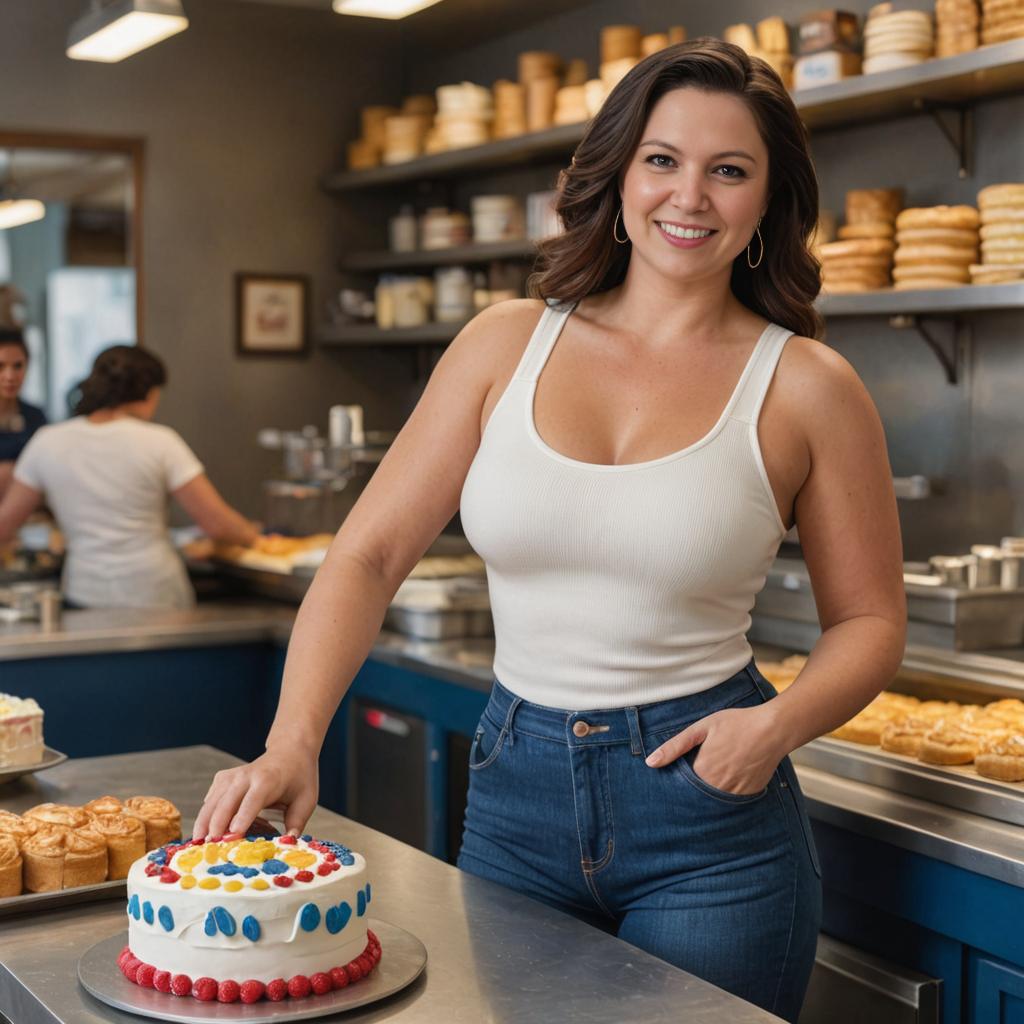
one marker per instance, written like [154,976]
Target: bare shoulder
[814,381]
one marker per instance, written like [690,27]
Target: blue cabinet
[995,990]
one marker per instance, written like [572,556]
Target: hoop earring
[615,227]
[757,231]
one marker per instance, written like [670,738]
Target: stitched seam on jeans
[592,885]
[792,915]
[594,866]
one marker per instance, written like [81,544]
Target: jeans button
[580,729]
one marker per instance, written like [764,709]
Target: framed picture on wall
[271,314]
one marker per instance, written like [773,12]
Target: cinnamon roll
[60,814]
[948,744]
[10,867]
[17,827]
[161,818]
[62,858]
[125,838]
[1002,758]
[905,735]
[105,805]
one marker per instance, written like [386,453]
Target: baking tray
[403,960]
[958,786]
[33,902]
[51,758]
[439,625]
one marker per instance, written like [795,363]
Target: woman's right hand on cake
[286,781]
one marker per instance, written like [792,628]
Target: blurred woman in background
[106,474]
[18,420]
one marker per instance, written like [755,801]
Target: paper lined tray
[33,902]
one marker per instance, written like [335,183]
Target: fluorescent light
[15,212]
[114,29]
[381,8]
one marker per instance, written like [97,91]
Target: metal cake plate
[402,963]
[51,758]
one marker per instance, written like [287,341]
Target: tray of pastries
[969,756]
[56,854]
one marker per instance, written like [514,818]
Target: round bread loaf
[937,216]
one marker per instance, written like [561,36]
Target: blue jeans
[726,887]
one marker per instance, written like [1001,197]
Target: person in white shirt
[106,474]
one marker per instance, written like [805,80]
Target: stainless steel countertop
[493,955]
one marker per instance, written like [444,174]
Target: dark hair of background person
[120,374]
[13,336]
[586,259]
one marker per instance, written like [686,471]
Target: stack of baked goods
[861,259]
[896,36]
[991,736]
[58,846]
[956,27]
[21,731]
[1001,210]
[769,41]
[1001,20]
[464,114]
[935,246]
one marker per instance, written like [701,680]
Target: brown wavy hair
[585,258]
[120,374]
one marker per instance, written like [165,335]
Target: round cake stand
[403,960]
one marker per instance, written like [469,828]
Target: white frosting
[284,947]
[21,731]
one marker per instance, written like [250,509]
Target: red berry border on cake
[210,990]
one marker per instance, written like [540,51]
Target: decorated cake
[249,917]
[21,731]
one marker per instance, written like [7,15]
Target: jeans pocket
[684,765]
[488,741]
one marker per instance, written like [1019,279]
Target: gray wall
[241,115]
[969,435]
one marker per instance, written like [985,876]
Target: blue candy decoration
[274,867]
[166,919]
[307,838]
[347,860]
[345,912]
[250,872]
[210,925]
[225,922]
[360,903]
[133,907]
[332,919]
[147,912]
[251,929]
[309,917]
[369,894]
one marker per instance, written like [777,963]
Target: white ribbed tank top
[619,585]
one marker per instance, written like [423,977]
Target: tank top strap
[763,362]
[542,341]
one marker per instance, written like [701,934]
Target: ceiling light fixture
[114,29]
[392,9]
[15,212]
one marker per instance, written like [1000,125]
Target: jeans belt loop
[516,701]
[636,746]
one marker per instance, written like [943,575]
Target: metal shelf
[370,334]
[370,261]
[933,85]
[925,301]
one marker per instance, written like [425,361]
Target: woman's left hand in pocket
[740,748]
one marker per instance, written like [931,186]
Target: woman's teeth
[678,232]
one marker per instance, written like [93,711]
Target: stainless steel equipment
[30,600]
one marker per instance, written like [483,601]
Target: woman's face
[13,365]
[701,170]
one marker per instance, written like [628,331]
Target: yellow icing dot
[233,886]
[212,852]
[259,883]
[188,881]
[209,883]
[299,858]
[189,859]
[251,855]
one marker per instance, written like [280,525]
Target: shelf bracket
[959,134]
[949,357]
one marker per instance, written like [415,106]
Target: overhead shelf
[371,334]
[459,254]
[939,83]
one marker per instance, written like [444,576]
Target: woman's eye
[660,160]
[734,171]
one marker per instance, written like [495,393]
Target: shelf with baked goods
[932,86]
[968,298]
[476,253]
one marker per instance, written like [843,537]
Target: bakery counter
[493,955]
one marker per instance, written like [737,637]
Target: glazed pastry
[1002,758]
[59,814]
[948,744]
[60,858]
[865,727]
[10,867]
[906,735]
[16,826]
[1010,709]
[161,818]
[125,838]
[105,805]
[936,710]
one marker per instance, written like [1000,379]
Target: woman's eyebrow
[716,156]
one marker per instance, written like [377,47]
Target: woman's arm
[849,532]
[217,519]
[412,495]
[6,476]
[19,502]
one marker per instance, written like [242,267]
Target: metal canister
[1013,555]
[951,569]
[988,567]
[51,605]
